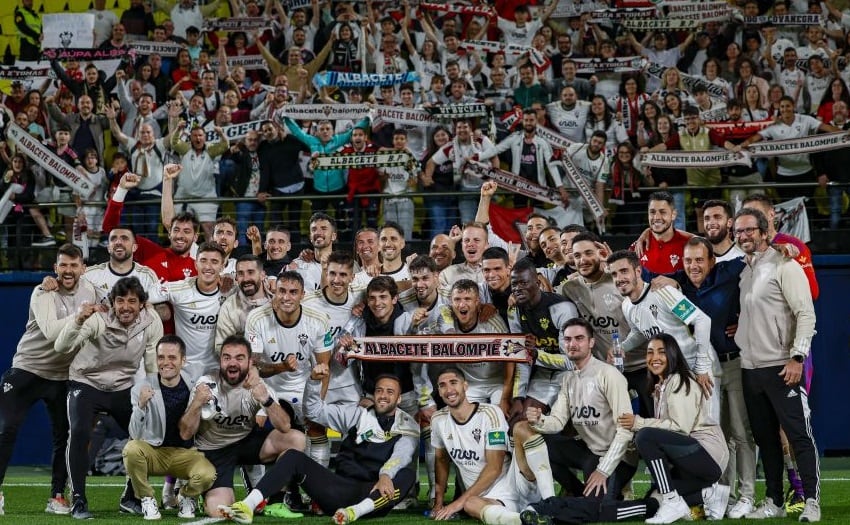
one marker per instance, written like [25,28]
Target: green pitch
[26,491]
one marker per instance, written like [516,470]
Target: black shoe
[131,506]
[530,517]
[80,509]
[295,502]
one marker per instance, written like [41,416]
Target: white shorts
[544,385]
[513,490]
[204,212]
[485,393]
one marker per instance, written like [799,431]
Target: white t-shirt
[803,126]
[569,122]
[339,315]
[195,317]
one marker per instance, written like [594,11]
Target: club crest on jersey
[654,310]
[544,323]
[6,387]
[221,300]
[674,259]
[303,338]
[476,435]
[187,273]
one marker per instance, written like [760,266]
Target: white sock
[254,498]
[537,457]
[364,507]
[499,515]
[320,450]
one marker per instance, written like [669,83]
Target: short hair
[128,285]
[292,276]
[547,228]
[422,262]
[382,283]
[578,321]
[465,285]
[395,226]
[586,236]
[697,240]
[453,370]
[237,340]
[699,88]
[172,339]
[69,250]
[392,377]
[733,103]
[574,228]
[663,196]
[628,255]
[400,132]
[250,257]
[322,216]
[279,228]
[546,218]
[496,252]
[186,216]
[714,203]
[212,247]
[600,134]
[757,197]
[342,258]
[761,220]
[525,264]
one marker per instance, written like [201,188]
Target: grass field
[26,490]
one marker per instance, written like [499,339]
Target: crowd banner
[666,24]
[793,218]
[490,46]
[689,81]
[738,130]
[347,80]
[67,30]
[323,112]
[48,160]
[703,12]
[508,181]
[570,9]
[811,144]
[6,203]
[380,159]
[163,49]
[236,24]
[554,139]
[18,72]
[618,15]
[251,62]
[402,116]
[87,55]
[809,19]
[457,9]
[694,159]
[459,111]
[292,5]
[612,65]
[234,131]
[584,190]
[454,348]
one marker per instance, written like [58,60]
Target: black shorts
[246,451]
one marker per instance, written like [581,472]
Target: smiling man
[250,294]
[474,241]
[665,243]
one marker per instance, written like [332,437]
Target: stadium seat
[78,6]
[54,6]
[159,17]
[6,8]
[15,43]
[8,24]
[122,4]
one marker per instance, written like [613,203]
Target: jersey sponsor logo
[585,412]
[279,357]
[234,421]
[683,309]
[603,321]
[651,332]
[464,455]
[496,437]
[329,336]
[198,319]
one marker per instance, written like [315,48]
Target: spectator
[138,20]
[28,24]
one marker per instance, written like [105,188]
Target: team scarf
[379,159]
[347,80]
[618,182]
[459,111]
[554,139]
[513,118]
[690,82]
[86,55]
[403,116]
[630,109]
[457,9]
[250,62]
[618,15]
[323,111]
[570,9]
[235,131]
[703,12]
[694,159]
[511,182]
[23,73]
[454,348]
[50,161]
[713,115]
[6,203]
[785,20]
[666,24]
[164,49]
[537,58]
[610,65]
[236,24]
[585,191]
[740,130]
[811,144]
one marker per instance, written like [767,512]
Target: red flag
[504,220]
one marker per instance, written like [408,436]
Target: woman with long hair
[601,118]
[774,95]
[711,69]
[647,123]
[345,51]
[624,181]
[629,102]
[673,108]
[671,82]
[753,105]
[747,74]
[683,446]
[837,91]
[729,70]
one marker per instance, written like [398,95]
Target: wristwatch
[798,358]
[268,402]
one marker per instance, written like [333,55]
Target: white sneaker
[811,513]
[169,497]
[187,507]
[740,509]
[671,510]
[150,510]
[766,510]
[714,499]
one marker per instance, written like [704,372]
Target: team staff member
[110,345]
[39,373]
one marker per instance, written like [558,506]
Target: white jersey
[569,122]
[668,311]
[103,278]
[311,272]
[467,443]
[338,314]
[195,318]
[735,252]
[310,335]
[793,82]
[521,36]
[398,179]
[816,87]
[234,415]
[593,170]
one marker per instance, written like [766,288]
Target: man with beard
[286,336]
[474,436]
[541,314]
[155,446]
[474,241]
[196,302]
[250,294]
[556,270]
[220,416]
[226,235]
[392,244]
[371,473]
[717,219]
[496,286]
[534,226]
[569,114]
[569,232]
[442,250]
[109,347]
[664,244]
[600,303]
[322,238]
[774,332]
[40,373]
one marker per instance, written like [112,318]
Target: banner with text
[164,49]
[236,24]
[515,183]
[234,131]
[67,30]
[323,111]
[48,160]
[694,159]
[812,144]
[610,65]
[454,348]
[380,159]
[347,80]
